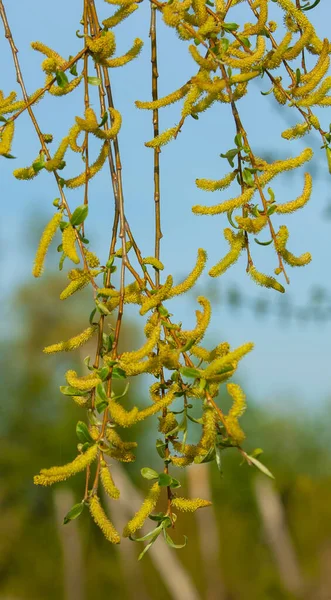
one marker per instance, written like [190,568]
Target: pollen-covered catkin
[237,244]
[45,241]
[191,279]
[69,243]
[145,510]
[7,138]
[75,342]
[108,482]
[265,280]
[237,409]
[101,519]
[299,202]
[189,504]
[55,474]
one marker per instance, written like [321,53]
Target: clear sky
[291,360]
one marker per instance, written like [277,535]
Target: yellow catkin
[209,430]
[192,96]
[275,58]
[279,94]
[167,423]
[223,361]
[108,482]
[75,286]
[143,513]
[75,342]
[93,169]
[288,257]
[162,139]
[40,47]
[122,13]
[121,416]
[237,243]
[157,298]
[316,97]
[8,100]
[56,90]
[192,278]
[261,22]
[90,124]
[209,355]
[7,138]
[313,78]
[245,64]
[237,202]
[150,343]
[91,259]
[295,132]
[72,137]
[203,319]
[279,166]
[237,409]
[166,100]
[211,185]
[181,461]
[160,404]
[114,438]
[155,262]
[189,505]
[265,280]
[45,241]
[120,61]
[55,474]
[69,243]
[57,161]
[205,63]
[100,518]
[205,103]
[85,383]
[299,202]
[101,47]
[252,225]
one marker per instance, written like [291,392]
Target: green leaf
[263,243]
[238,140]
[101,406]
[94,80]
[208,457]
[118,396]
[62,259]
[101,393]
[92,315]
[260,466]
[163,311]
[310,6]
[3,119]
[61,79]
[164,480]
[78,34]
[8,155]
[74,512]
[102,122]
[195,116]
[171,543]
[230,26]
[160,448]
[149,473]
[188,346]
[83,433]
[79,215]
[190,372]
[257,452]
[298,76]
[175,483]
[152,534]
[73,69]
[68,390]
[118,373]
[230,155]
[248,177]
[157,517]
[102,308]
[103,373]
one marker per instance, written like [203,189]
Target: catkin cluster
[227,57]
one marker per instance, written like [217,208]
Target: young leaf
[61,79]
[74,512]
[260,466]
[83,433]
[94,80]
[164,480]
[171,543]
[79,215]
[190,372]
[149,473]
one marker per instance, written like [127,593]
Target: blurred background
[262,539]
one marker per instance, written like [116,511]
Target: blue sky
[290,362]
